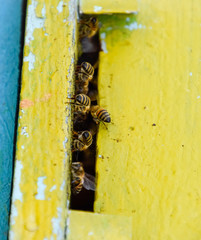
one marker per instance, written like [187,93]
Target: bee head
[86,134]
[93,21]
[79,98]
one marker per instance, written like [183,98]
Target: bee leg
[75,133]
[96,120]
[104,125]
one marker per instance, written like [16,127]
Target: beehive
[148,160]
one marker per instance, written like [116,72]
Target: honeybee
[81,87]
[86,72]
[82,103]
[100,114]
[88,27]
[82,140]
[81,179]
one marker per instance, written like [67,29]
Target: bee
[81,179]
[100,114]
[82,140]
[82,103]
[88,27]
[86,72]
[81,87]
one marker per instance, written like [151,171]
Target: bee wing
[89,182]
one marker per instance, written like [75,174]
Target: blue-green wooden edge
[11,20]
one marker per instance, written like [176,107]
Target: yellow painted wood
[148,161]
[108,6]
[41,179]
[90,226]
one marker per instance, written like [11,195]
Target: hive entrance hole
[88,51]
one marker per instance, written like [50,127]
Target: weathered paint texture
[39,203]
[108,6]
[148,161]
[10,47]
[92,226]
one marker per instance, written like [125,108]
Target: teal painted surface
[10,36]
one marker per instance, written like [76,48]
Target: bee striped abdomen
[103,115]
[78,145]
[88,69]
[82,103]
[83,99]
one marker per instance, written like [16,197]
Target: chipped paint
[60,6]
[134,26]
[53,188]
[33,22]
[17,194]
[56,225]
[41,188]
[97,8]
[62,185]
[24,132]
[43,11]
[31,58]
[103,43]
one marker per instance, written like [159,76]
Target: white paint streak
[53,188]
[134,25]
[41,188]
[67,226]
[90,233]
[56,224]
[103,43]
[198,97]
[17,195]
[97,8]
[65,142]
[43,12]
[62,185]
[22,146]
[60,6]
[33,22]
[72,11]
[190,74]
[31,60]
[68,204]
[24,132]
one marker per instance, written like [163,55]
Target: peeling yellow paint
[44,129]
[148,161]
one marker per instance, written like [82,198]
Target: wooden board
[41,179]
[148,161]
